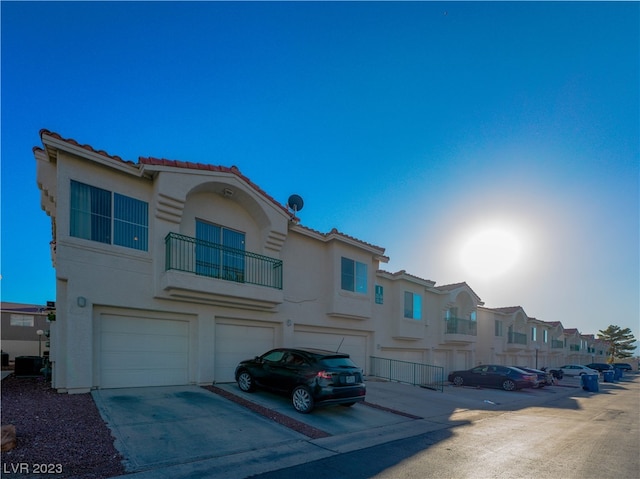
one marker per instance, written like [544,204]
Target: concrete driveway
[161,426]
[158,427]
[187,431]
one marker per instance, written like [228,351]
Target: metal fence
[416,374]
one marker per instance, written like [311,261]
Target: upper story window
[412,305]
[498,328]
[353,276]
[534,333]
[106,217]
[545,336]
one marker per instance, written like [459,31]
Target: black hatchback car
[312,377]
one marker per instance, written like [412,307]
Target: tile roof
[71,141]
[451,287]
[403,272]
[335,232]
[454,286]
[170,163]
[150,161]
[508,309]
[22,308]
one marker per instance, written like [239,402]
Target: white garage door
[462,360]
[354,346]
[440,358]
[235,343]
[143,352]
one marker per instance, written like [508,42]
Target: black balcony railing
[557,344]
[204,258]
[461,326]
[517,338]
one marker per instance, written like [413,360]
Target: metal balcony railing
[416,374]
[557,344]
[461,326]
[517,338]
[204,258]
[574,347]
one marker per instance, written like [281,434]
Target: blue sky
[413,126]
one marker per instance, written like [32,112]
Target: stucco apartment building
[171,272]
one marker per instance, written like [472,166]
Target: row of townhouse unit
[170,272]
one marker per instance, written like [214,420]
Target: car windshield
[340,362]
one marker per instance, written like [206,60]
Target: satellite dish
[295,203]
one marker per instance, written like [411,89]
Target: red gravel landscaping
[58,435]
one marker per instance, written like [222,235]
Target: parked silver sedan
[577,370]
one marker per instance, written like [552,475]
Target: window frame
[498,330]
[354,276]
[412,306]
[227,261]
[22,320]
[90,220]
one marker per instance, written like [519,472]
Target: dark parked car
[623,366]
[556,373]
[600,367]
[312,377]
[490,375]
[544,378]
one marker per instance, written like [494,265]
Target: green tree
[620,342]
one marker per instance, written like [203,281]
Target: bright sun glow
[490,252]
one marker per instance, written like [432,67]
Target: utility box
[28,366]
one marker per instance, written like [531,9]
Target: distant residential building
[20,326]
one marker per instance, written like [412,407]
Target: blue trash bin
[608,376]
[617,374]
[590,382]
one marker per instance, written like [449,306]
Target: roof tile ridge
[85,146]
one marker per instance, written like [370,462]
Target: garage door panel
[143,342]
[235,343]
[146,377]
[143,360]
[138,351]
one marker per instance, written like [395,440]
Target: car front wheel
[245,382]
[302,400]
[509,385]
[458,381]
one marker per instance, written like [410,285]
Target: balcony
[574,347]
[557,344]
[460,330]
[210,272]
[516,341]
